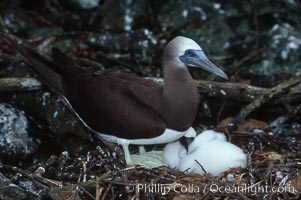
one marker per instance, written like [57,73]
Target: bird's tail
[44,67]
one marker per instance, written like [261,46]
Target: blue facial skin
[197,59]
[192,54]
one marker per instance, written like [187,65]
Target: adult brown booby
[124,108]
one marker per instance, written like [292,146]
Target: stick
[238,92]
[19,84]
[245,112]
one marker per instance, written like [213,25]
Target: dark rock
[82,4]
[282,53]
[9,190]
[16,21]
[14,139]
[123,15]
[49,112]
[139,46]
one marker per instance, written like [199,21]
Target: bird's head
[184,52]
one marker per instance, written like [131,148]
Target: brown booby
[124,108]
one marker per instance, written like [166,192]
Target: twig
[40,18]
[97,189]
[19,84]
[31,175]
[220,111]
[252,57]
[86,191]
[268,172]
[233,91]
[201,166]
[245,112]
[106,192]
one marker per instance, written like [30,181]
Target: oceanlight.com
[214,188]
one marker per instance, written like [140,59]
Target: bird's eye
[188,53]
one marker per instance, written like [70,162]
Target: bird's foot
[141,150]
[127,155]
[149,159]
[145,159]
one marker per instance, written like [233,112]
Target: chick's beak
[186,141]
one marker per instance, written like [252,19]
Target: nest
[273,171]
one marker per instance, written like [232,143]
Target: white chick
[173,153]
[214,153]
[206,136]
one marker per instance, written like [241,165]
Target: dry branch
[238,92]
[262,100]
[19,84]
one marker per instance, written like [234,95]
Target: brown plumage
[123,104]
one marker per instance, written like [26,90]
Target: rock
[83,4]
[282,52]
[9,190]
[14,139]
[16,21]
[49,112]
[123,15]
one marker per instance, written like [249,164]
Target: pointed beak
[186,141]
[201,61]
